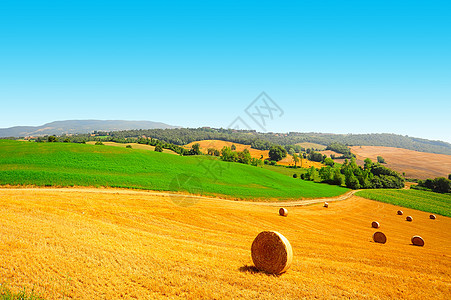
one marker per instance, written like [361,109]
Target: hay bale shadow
[254,270]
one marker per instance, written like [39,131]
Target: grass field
[65,164]
[110,244]
[421,200]
[134,146]
[308,145]
[284,170]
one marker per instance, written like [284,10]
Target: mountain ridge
[80,127]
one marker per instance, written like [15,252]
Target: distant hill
[80,126]
[263,141]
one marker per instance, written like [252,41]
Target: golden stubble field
[109,244]
[415,164]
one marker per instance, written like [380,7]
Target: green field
[284,170]
[7,294]
[66,164]
[421,200]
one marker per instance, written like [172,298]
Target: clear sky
[331,66]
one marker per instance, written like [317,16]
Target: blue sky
[331,66]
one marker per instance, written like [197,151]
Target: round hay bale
[375,224]
[283,212]
[400,212]
[326,204]
[271,252]
[409,218]
[432,217]
[379,237]
[417,240]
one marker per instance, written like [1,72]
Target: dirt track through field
[188,196]
[109,244]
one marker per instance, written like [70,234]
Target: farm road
[193,197]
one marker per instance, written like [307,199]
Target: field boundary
[198,197]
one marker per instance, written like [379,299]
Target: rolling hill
[79,126]
[67,164]
[255,153]
[415,164]
[262,141]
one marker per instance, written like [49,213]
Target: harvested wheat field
[415,164]
[109,244]
[255,153]
[218,145]
[288,161]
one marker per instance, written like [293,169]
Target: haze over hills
[80,126]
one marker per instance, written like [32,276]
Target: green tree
[442,185]
[52,139]
[99,143]
[158,148]
[195,149]
[227,154]
[367,164]
[233,147]
[315,156]
[329,161]
[380,160]
[244,157]
[211,151]
[326,174]
[277,153]
[129,146]
[311,173]
[295,159]
[338,178]
[351,181]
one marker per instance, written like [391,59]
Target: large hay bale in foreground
[417,240]
[409,218]
[283,212]
[379,237]
[326,204]
[271,252]
[432,217]
[375,224]
[400,212]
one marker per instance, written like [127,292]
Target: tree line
[438,185]
[263,141]
[370,176]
